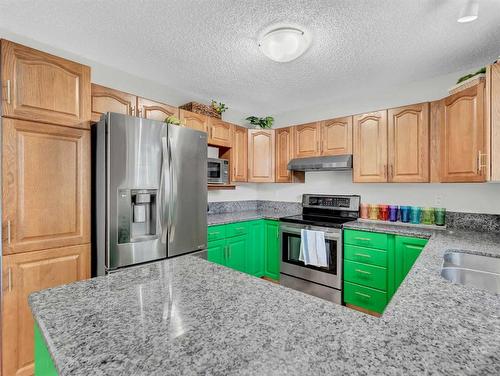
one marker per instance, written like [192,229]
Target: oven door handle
[296,231]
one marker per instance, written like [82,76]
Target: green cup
[428,216]
[439,216]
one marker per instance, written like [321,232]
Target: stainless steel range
[324,213]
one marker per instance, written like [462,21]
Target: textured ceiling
[208,48]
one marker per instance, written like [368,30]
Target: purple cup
[393,213]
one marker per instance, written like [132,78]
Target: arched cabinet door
[336,136]
[462,136]
[409,144]
[261,156]
[37,86]
[370,148]
[194,121]
[105,99]
[153,110]
[307,138]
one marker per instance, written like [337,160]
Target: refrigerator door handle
[172,198]
[164,191]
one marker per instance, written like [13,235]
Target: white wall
[120,80]
[475,198]
[244,191]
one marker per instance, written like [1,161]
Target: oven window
[291,251]
[214,170]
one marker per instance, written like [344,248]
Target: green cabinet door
[216,251]
[256,248]
[407,251]
[43,361]
[236,252]
[272,252]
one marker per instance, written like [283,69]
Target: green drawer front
[366,239]
[237,229]
[365,255]
[216,232]
[365,297]
[366,275]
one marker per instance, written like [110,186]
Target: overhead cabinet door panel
[370,148]
[307,140]
[42,87]
[261,156]
[336,136]
[409,144]
[152,110]
[105,99]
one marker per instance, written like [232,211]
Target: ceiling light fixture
[469,12]
[284,44]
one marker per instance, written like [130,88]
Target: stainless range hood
[331,163]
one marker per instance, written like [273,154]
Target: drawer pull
[362,271]
[363,295]
[214,233]
[363,239]
[240,228]
[362,255]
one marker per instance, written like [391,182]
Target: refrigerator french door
[150,191]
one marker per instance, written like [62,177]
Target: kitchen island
[190,316]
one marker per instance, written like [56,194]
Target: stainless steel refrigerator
[150,191]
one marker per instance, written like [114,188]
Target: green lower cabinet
[216,251]
[375,264]
[407,251]
[236,249]
[256,249]
[44,366]
[251,247]
[272,253]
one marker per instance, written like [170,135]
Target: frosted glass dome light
[284,44]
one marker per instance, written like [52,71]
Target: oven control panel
[331,202]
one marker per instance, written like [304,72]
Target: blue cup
[415,212]
[404,212]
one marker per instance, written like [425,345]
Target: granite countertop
[189,316]
[248,215]
[396,229]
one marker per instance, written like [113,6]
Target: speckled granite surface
[187,316]
[415,231]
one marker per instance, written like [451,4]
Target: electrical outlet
[438,201]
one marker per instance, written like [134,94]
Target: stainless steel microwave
[218,171]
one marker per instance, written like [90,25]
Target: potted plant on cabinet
[262,122]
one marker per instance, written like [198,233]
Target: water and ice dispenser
[137,215]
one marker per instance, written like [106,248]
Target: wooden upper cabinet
[261,162]
[408,144]
[27,273]
[46,186]
[284,153]
[336,136]
[152,110]
[41,87]
[194,121]
[239,155]
[307,142]
[220,132]
[370,147]
[105,99]
[462,136]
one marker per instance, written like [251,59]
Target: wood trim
[364,310]
[400,171]
[493,122]
[436,109]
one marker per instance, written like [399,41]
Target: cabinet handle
[363,295]
[480,164]
[8,232]
[8,91]
[362,255]
[240,228]
[132,111]
[139,112]
[362,271]
[363,239]
[385,171]
[228,251]
[9,278]
[392,171]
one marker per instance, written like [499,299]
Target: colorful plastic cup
[405,213]
[428,216]
[373,211]
[415,213]
[383,212]
[363,211]
[393,213]
[440,216]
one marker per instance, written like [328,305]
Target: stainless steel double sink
[468,269]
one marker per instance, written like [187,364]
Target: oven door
[214,171]
[330,276]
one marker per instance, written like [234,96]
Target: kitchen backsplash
[454,220]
